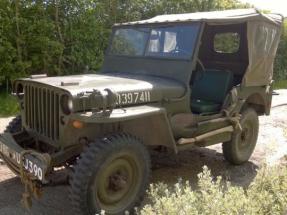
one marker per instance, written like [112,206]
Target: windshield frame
[151,27]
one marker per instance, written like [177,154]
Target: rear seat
[209,90]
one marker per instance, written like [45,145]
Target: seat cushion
[212,85]
[201,106]
[210,89]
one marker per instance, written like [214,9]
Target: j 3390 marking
[28,165]
[133,97]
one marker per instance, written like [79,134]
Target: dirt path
[271,149]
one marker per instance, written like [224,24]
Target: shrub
[266,195]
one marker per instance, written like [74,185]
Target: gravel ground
[271,149]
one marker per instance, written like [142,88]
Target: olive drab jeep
[174,81]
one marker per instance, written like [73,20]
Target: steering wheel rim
[201,65]
[202,72]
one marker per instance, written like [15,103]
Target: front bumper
[34,164]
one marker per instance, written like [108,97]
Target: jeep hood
[159,88]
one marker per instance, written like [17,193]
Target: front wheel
[112,175]
[240,148]
[15,125]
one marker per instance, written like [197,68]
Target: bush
[266,195]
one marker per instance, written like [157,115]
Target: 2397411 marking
[133,97]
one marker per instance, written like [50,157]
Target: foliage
[227,43]
[280,72]
[267,194]
[8,106]
[69,36]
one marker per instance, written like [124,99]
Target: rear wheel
[242,144]
[112,175]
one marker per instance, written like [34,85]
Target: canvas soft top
[226,16]
[263,36]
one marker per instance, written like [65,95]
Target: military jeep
[174,81]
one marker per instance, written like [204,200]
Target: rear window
[227,43]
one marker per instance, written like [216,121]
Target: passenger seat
[209,90]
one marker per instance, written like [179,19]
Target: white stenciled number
[130,98]
[35,170]
[40,174]
[30,167]
[142,97]
[119,100]
[125,98]
[133,97]
[136,97]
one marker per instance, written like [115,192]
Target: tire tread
[92,158]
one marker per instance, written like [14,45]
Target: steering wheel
[202,70]
[201,65]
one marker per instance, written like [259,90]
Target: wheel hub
[118,181]
[245,135]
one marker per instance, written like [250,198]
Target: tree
[280,71]
[69,36]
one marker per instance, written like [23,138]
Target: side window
[226,43]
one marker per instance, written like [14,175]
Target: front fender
[150,123]
[119,115]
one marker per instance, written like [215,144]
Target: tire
[14,126]
[119,162]
[240,148]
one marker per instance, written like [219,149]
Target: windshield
[170,42]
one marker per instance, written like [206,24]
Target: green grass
[8,105]
[280,84]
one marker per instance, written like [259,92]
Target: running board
[187,141]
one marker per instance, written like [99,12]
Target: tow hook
[32,189]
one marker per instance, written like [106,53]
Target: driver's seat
[209,90]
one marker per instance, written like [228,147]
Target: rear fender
[259,98]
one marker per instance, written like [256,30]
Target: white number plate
[27,164]
[133,98]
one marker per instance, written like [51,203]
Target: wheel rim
[116,185]
[246,136]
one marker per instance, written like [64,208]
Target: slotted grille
[42,110]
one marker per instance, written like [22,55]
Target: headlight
[66,104]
